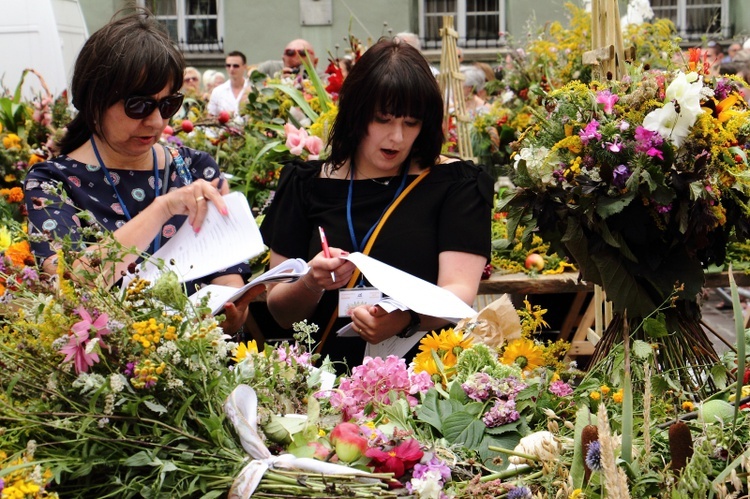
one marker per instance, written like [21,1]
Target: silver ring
[199,198]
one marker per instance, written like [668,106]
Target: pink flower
[374,382]
[80,339]
[349,442]
[314,144]
[590,132]
[397,460]
[615,145]
[608,99]
[295,138]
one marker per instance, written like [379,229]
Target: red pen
[326,249]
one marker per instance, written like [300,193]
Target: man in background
[228,95]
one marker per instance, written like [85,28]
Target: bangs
[402,93]
[147,71]
[396,97]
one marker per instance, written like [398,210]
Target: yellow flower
[5,238]
[688,406]
[425,362]
[617,397]
[604,389]
[244,350]
[577,494]
[595,396]
[524,353]
[12,141]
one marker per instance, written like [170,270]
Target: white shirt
[223,99]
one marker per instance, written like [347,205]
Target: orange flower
[15,195]
[34,159]
[19,253]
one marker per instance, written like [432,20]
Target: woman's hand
[373,324]
[192,200]
[329,273]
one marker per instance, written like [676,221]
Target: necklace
[376,180]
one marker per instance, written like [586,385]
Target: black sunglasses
[139,107]
[291,52]
[235,66]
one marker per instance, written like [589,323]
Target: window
[196,25]
[478,22]
[695,18]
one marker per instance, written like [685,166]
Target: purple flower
[723,89]
[434,464]
[608,99]
[620,175]
[519,493]
[663,208]
[479,386]
[503,412]
[590,132]
[29,274]
[560,388]
[176,141]
[129,369]
[594,456]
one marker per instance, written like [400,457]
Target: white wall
[44,35]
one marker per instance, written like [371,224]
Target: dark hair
[392,77]
[237,53]
[128,56]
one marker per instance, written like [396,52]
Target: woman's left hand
[373,324]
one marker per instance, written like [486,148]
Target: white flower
[685,90]
[429,486]
[539,164]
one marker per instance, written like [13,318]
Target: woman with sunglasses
[385,184]
[112,168]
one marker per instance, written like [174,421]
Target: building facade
[208,29]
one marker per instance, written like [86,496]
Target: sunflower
[244,350]
[425,362]
[524,353]
[447,345]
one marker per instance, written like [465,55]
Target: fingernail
[344,253]
[224,211]
[197,229]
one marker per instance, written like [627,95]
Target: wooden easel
[451,86]
[607,55]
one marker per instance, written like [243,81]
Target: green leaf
[719,376]
[655,327]
[298,99]
[641,349]
[463,428]
[499,430]
[609,206]
[434,411]
[508,441]
[141,458]
[156,407]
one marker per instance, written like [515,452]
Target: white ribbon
[242,410]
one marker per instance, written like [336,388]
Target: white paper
[223,241]
[417,294]
[392,346]
[218,295]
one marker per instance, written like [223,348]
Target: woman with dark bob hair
[385,185]
[111,167]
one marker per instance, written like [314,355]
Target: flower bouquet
[643,182]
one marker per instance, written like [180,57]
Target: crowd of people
[385,188]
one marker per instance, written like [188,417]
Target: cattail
[680,445]
[589,434]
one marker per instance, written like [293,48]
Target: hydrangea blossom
[503,412]
[373,381]
[560,388]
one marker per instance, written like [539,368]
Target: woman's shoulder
[464,174]
[459,168]
[301,171]
[53,166]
